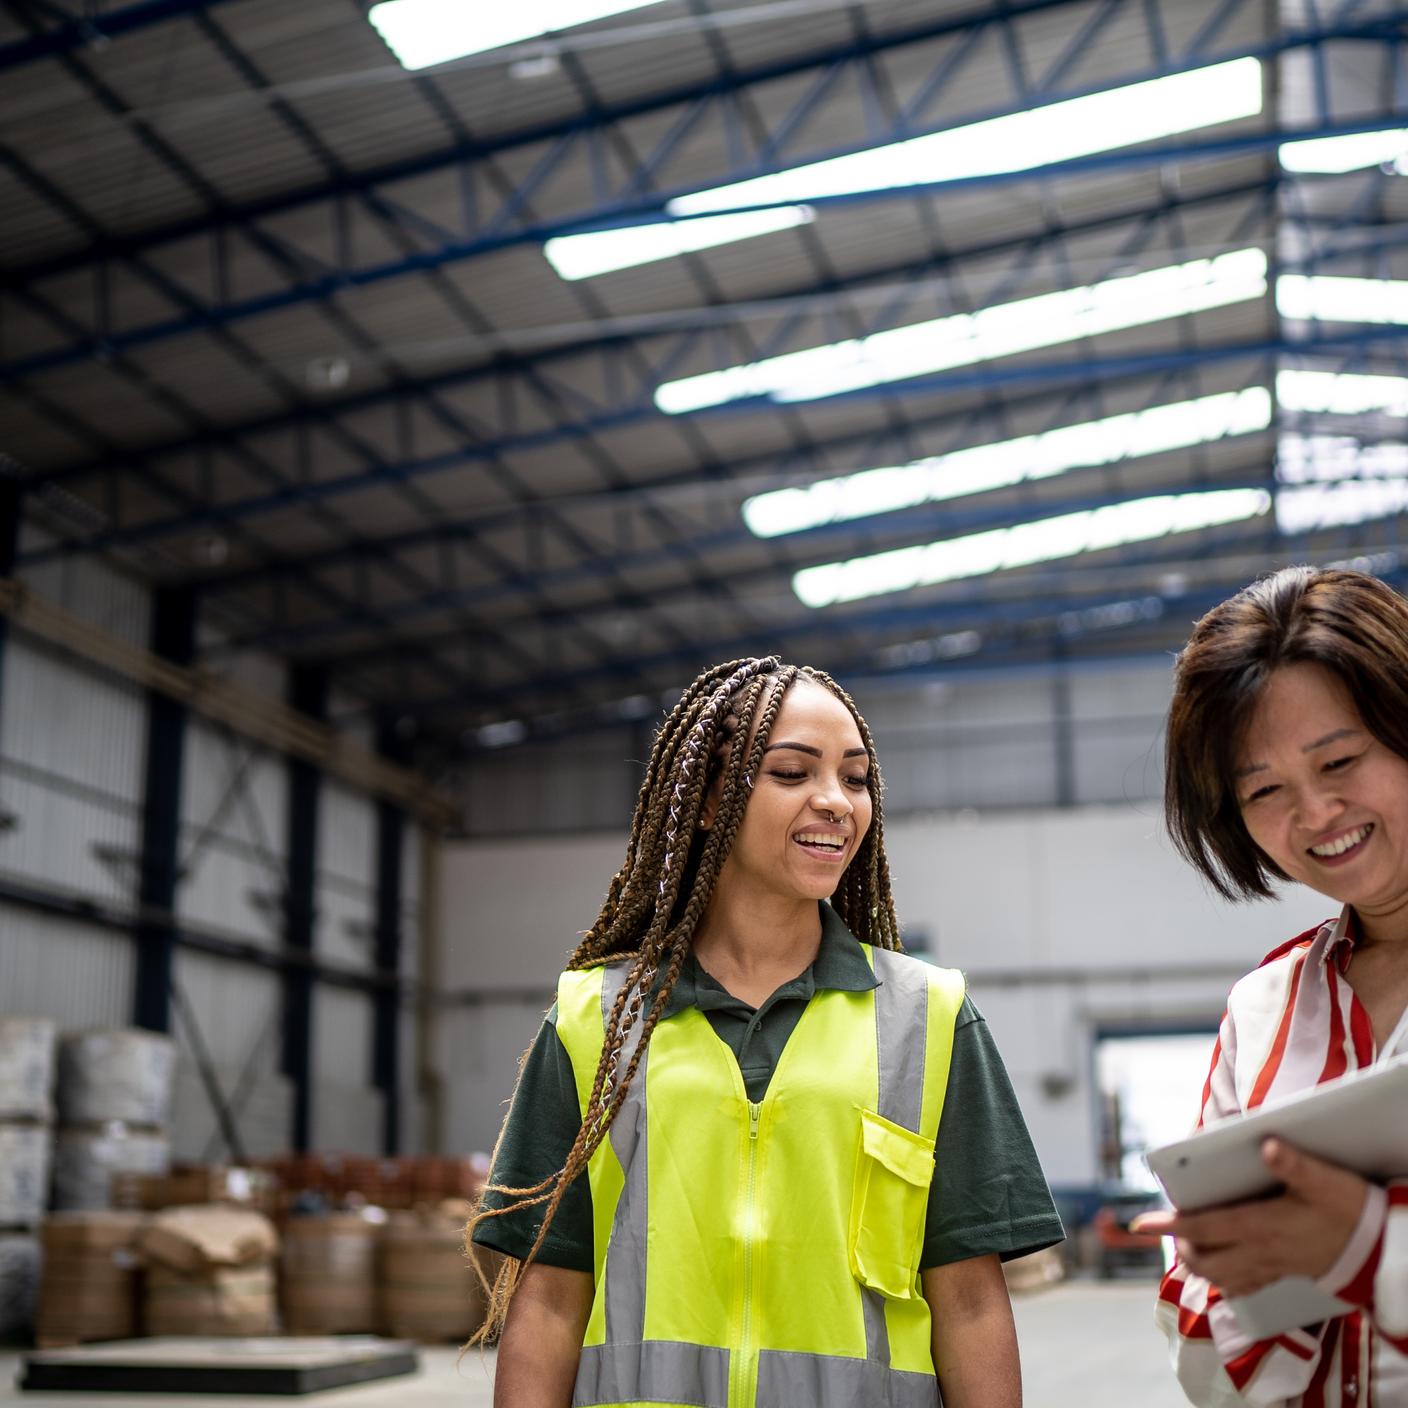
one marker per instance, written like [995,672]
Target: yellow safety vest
[767,1255]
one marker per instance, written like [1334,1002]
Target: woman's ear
[710,809]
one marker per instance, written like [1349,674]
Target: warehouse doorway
[1150,1087]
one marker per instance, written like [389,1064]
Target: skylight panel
[1022,141]
[1337,299]
[1043,540]
[1019,141]
[986,467]
[963,339]
[1334,480]
[1341,393]
[425,32]
[585,256]
[1332,156]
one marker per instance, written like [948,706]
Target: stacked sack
[26,1141]
[114,1097]
[209,1271]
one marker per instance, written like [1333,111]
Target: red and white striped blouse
[1292,1023]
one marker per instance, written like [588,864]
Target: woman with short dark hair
[1287,759]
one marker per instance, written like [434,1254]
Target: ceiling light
[425,32]
[962,339]
[1303,459]
[986,467]
[1334,155]
[1341,393]
[1043,540]
[585,256]
[1336,299]
[1021,141]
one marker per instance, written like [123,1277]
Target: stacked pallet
[114,1099]
[26,1141]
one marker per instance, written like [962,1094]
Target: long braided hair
[657,898]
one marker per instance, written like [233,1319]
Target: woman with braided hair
[717,1184]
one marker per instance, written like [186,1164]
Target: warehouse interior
[400,404]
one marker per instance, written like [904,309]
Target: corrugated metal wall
[72,758]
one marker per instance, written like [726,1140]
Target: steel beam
[95,29]
[567,140]
[174,641]
[386,1014]
[308,694]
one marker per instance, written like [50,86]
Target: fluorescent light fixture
[605,251]
[425,32]
[1336,299]
[1309,507]
[1022,141]
[986,467]
[1043,540]
[1331,156]
[1341,393]
[1306,459]
[962,339]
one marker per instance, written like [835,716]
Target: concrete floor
[1085,1344]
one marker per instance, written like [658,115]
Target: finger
[1315,1180]
[1155,1224]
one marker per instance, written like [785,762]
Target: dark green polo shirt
[988,1194]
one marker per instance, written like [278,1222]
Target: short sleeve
[989,1193]
[538,1134]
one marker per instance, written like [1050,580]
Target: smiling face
[815,769]
[1321,796]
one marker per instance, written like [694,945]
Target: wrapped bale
[87,1158]
[24,1173]
[19,1281]
[329,1275]
[124,1074]
[26,1068]
[429,1290]
[189,1184]
[87,1289]
[209,1271]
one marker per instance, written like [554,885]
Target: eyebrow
[1332,737]
[815,752]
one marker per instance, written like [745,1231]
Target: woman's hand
[1245,1246]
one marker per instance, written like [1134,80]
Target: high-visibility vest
[766,1255]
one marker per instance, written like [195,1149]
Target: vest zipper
[745,1360]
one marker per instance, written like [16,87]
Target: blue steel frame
[724,98]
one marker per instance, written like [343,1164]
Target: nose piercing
[833,818]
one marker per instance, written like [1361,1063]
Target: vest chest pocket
[894,1168]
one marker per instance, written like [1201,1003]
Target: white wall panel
[78,974]
[236,1008]
[346,1108]
[234,800]
[346,876]
[72,746]
[478,1051]
[87,588]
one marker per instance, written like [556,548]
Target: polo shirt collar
[840,965]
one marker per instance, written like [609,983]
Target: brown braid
[668,856]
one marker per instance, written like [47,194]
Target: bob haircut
[1348,622]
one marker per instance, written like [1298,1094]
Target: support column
[307,692]
[9,546]
[173,639]
[386,1017]
[1064,730]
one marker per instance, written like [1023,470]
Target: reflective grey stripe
[788,1380]
[656,1371]
[901,1034]
[625,1254]
[877,1332]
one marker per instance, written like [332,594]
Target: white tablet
[1359,1121]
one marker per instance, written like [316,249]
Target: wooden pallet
[251,1366]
